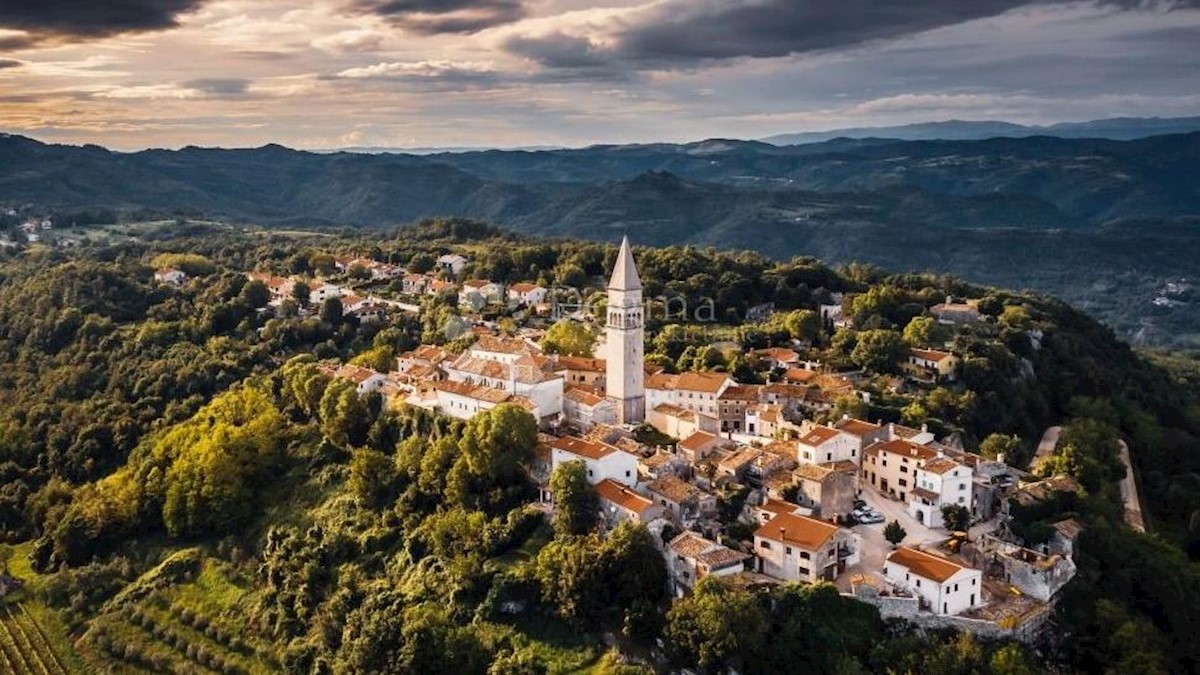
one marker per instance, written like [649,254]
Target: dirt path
[1129,493]
[1045,447]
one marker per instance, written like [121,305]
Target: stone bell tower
[625,337]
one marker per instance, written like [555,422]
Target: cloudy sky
[132,74]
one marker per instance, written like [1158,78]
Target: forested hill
[184,489]
[1103,224]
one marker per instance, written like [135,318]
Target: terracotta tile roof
[777,506]
[673,410]
[779,480]
[904,448]
[690,545]
[925,564]
[739,459]
[904,432]
[613,492]
[583,448]
[856,427]
[477,392]
[740,392]
[941,465]
[709,383]
[698,440]
[580,363]
[815,472]
[786,449]
[721,557]
[582,395]
[502,345]
[356,374]
[841,466]
[788,528]
[781,354]
[786,390]
[661,381]
[818,435]
[673,488]
[925,494]
[657,460]
[799,375]
[524,288]
[930,354]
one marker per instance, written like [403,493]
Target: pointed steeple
[625,276]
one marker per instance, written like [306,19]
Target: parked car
[871,518]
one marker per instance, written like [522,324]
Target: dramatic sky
[405,73]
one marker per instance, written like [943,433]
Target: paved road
[875,548]
[1045,447]
[1129,493]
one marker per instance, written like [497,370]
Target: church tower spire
[625,336]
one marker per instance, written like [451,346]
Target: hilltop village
[764,483]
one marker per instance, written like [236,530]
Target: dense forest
[184,490]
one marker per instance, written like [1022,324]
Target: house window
[764,544]
[803,571]
[903,469]
[788,550]
[902,482]
[804,555]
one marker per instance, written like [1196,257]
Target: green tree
[956,517]
[331,311]
[570,338]
[716,628]
[576,506]
[894,533]
[255,294]
[372,476]
[996,446]
[301,292]
[879,350]
[803,324]
[925,331]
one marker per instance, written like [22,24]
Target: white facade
[602,461]
[940,482]
[824,444]
[452,262]
[625,340]
[947,587]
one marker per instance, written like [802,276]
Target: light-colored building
[829,489]
[452,263]
[681,498]
[931,364]
[581,370]
[365,380]
[945,586]
[625,338]
[691,558]
[698,392]
[526,295]
[940,482]
[733,404]
[952,313]
[170,275]
[891,467]
[797,548]
[824,444]
[679,422]
[583,408]
[603,461]
[464,400]
[619,503]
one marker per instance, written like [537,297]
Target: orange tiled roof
[807,533]
[583,448]
[613,492]
[924,564]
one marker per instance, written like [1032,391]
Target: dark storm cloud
[219,86]
[91,18]
[685,33]
[18,41]
[9,63]
[431,17]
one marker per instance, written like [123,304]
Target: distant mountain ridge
[1116,129]
[1101,223]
